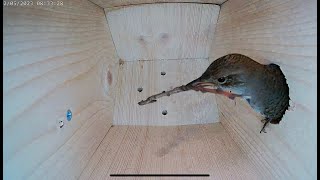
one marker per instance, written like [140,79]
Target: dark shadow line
[149,175]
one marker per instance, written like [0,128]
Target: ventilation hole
[140,89]
[163,73]
[164,112]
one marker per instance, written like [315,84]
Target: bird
[263,86]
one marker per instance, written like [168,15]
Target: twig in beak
[197,86]
[154,98]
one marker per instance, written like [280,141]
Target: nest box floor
[189,149]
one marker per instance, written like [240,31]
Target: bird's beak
[201,83]
[204,84]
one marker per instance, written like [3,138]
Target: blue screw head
[69,115]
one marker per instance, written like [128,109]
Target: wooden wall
[55,58]
[174,38]
[163,31]
[122,3]
[59,58]
[189,107]
[282,32]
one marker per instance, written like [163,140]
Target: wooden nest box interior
[75,70]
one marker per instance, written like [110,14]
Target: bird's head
[228,73]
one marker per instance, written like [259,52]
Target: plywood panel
[281,32]
[121,3]
[200,149]
[270,152]
[72,157]
[163,31]
[103,157]
[55,59]
[188,107]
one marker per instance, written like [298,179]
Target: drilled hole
[164,112]
[163,73]
[140,89]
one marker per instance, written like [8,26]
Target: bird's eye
[221,80]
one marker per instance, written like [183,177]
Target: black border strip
[149,175]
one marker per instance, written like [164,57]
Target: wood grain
[104,155]
[55,59]
[163,31]
[284,33]
[188,107]
[200,149]
[72,157]
[122,3]
[59,58]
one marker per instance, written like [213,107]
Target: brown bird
[235,75]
